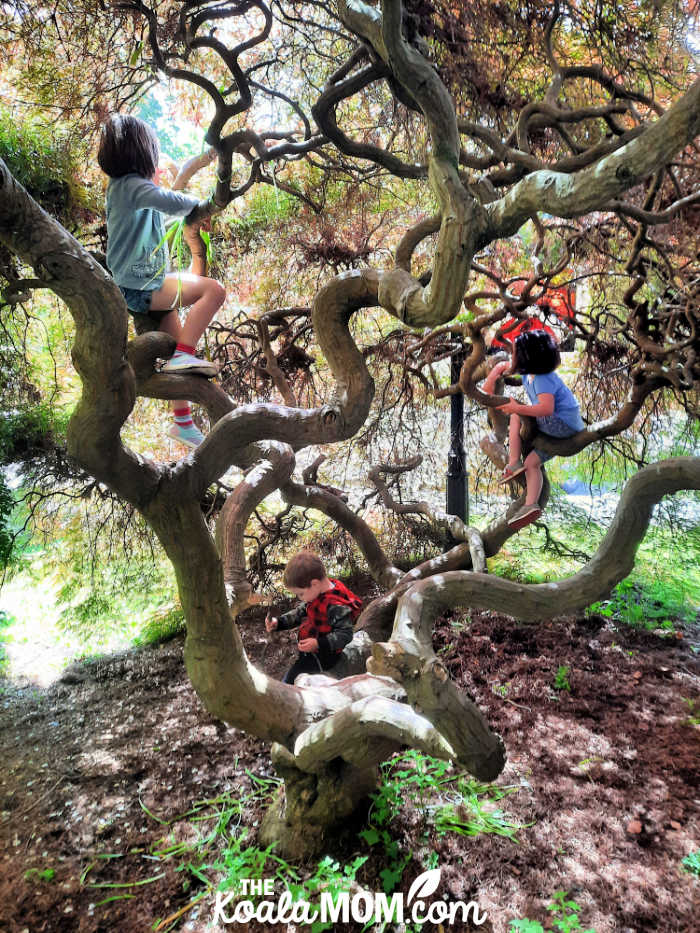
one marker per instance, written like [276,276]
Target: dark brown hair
[535,352]
[302,569]
[127,145]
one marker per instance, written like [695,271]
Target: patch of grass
[39,875]
[447,803]
[650,605]
[564,917]
[691,863]
[694,707]
[561,678]
[221,856]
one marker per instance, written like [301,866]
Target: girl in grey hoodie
[137,255]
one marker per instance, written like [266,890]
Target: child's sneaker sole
[186,363]
[519,521]
[209,370]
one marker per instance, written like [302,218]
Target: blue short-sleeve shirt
[565,405]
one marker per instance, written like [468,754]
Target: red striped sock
[183,348]
[183,416]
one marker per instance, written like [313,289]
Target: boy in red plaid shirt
[325,618]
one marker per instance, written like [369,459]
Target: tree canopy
[449,164]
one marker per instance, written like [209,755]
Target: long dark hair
[535,352]
[127,146]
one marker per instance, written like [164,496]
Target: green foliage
[564,917]
[474,814]
[561,678]
[6,621]
[7,504]
[651,605]
[86,601]
[423,782]
[44,160]
[662,590]
[694,707]
[164,624]
[26,432]
[178,138]
[526,926]
[412,776]
[38,875]
[115,598]
[266,207]
[327,877]
[221,856]
[691,863]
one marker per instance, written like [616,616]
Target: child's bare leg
[533,478]
[171,325]
[514,442]
[203,296]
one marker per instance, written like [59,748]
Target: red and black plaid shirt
[318,620]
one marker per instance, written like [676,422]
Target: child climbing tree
[559,153]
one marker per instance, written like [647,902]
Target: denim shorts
[138,303]
[555,426]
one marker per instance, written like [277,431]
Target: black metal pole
[457,488]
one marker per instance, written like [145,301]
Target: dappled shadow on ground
[606,771]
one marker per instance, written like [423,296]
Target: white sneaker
[186,363]
[189,436]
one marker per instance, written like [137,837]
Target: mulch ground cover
[603,753]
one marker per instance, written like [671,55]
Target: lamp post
[457,489]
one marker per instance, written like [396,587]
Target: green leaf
[136,54]
[526,926]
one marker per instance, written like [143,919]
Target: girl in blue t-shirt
[536,356]
[137,259]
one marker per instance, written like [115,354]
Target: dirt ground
[606,775]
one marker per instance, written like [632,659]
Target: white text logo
[362,907]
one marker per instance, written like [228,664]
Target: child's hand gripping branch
[500,369]
[325,618]
[556,411]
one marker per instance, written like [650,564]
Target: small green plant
[564,917]
[523,925]
[651,605]
[35,874]
[694,708]
[222,857]
[425,783]
[691,863]
[561,678]
[327,878]
[412,776]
